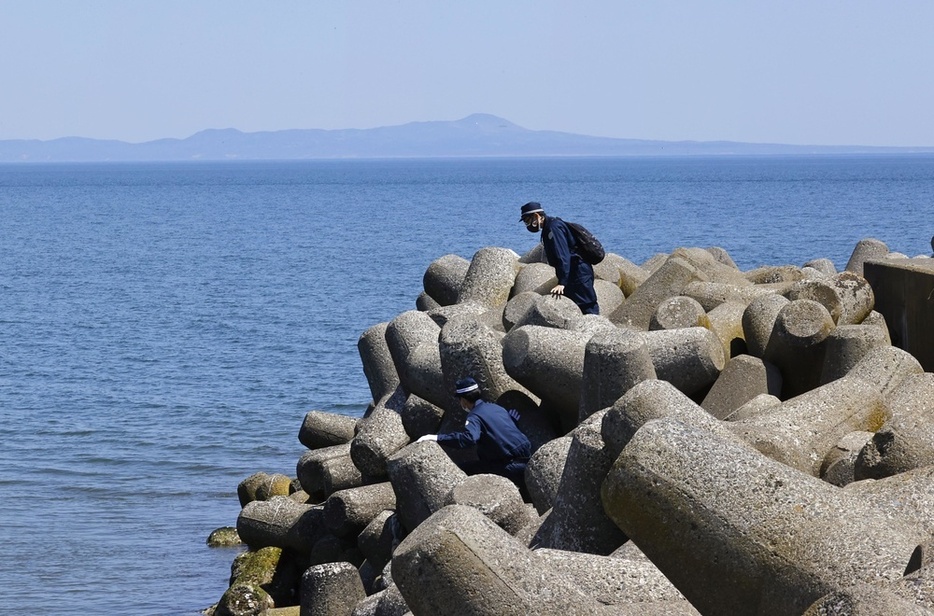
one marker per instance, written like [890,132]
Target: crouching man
[502,449]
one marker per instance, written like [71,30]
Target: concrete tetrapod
[577,521]
[378,365]
[460,563]
[422,475]
[614,361]
[443,278]
[806,428]
[738,533]
[549,362]
[489,277]
[906,441]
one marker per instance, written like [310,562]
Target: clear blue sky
[840,72]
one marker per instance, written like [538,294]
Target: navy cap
[532,207]
[465,385]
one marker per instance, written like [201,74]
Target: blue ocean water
[165,327]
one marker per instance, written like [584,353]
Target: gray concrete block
[577,521]
[470,348]
[543,473]
[379,538]
[906,440]
[846,345]
[549,311]
[726,321]
[348,512]
[517,306]
[690,359]
[706,511]
[885,368]
[678,312]
[609,296]
[420,417]
[460,563]
[548,362]
[378,365]
[807,427]
[311,472]
[743,378]
[496,497]
[614,361]
[490,277]
[796,345]
[443,278]
[763,403]
[379,436]
[280,522]
[653,400]
[759,321]
[611,580]
[422,475]
[332,589]
[534,278]
[865,249]
[667,281]
[322,429]
[839,463]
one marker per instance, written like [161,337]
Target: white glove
[427,437]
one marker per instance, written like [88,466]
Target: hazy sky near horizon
[829,72]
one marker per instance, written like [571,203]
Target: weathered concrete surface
[347,512]
[422,475]
[865,250]
[759,321]
[321,429]
[690,358]
[489,277]
[616,581]
[846,346]
[577,521]
[906,441]
[459,543]
[332,589]
[614,361]
[378,365]
[796,345]
[549,362]
[679,311]
[281,522]
[738,533]
[743,378]
[543,473]
[667,281]
[496,497]
[443,278]
[806,428]
[904,291]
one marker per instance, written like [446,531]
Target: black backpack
[588,247]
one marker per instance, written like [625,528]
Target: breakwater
[718,442]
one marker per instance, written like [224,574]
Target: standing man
[575,276]
[502,449]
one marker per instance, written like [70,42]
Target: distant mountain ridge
[477,135]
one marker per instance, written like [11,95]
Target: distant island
[477,135]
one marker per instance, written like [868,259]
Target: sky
[814,72]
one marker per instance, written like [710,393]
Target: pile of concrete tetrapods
[717,442]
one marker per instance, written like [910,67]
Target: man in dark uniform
[502,449]
[575,276]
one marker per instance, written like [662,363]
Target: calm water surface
[165,327]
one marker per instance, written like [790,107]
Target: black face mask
[533,226]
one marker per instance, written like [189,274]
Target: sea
[164,327]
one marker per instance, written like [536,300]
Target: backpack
[588,247]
